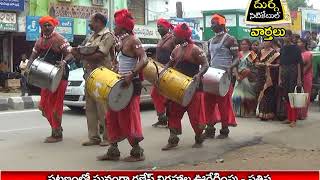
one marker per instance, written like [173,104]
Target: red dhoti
[51,104]
[125,124]
[225,110]
[195,111]
[158,100]
[291,112]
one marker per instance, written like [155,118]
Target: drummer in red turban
[126,123]
[124,21]
[165,24]
[218,21]
[183,34]
[54,49]
[164,49]
[190,60]
[48,24]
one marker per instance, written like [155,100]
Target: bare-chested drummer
[187,58]
[126,124]
[164,50]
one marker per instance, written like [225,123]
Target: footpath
[14,101]
[288,149]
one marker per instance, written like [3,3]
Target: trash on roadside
[220,160]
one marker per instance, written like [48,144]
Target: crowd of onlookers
[268,71]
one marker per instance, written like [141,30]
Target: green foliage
[295,4]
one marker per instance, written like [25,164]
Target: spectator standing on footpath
[23,80]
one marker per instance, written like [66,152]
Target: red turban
[219,19]
[165,23]
[124,19]
[48,19]
[183,31]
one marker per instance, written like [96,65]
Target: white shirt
[23,66]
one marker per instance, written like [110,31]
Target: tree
[295,4]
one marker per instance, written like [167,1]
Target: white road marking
[22,111]
[25,111]
[21,129]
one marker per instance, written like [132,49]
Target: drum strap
[219,47]
[48,51]
[183,54]
[169,36]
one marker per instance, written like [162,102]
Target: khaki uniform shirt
[105,42]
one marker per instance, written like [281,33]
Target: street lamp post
[110,13]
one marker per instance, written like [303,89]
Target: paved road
[22,133]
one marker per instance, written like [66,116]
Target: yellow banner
[267,12]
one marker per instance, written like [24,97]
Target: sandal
[293,124]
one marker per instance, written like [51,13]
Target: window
[137,8]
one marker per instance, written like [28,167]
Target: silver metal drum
[216,81]
[44,75]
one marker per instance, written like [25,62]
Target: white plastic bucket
[298,100]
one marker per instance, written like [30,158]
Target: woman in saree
[255,47]
[307,75]
[244,94]
[267,81]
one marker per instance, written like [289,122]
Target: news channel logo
[264,14]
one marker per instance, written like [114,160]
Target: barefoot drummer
[55,49]
[187,58]
[223,50]
[163,52]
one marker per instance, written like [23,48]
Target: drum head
[56,79]
[119,97]
[224,85]
[189,92]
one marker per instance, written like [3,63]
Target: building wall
[158,9]
[42,8]
[137,7]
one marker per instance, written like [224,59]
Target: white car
[75,93]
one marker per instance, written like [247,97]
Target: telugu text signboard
[8,21]
[65,28]
[12,5]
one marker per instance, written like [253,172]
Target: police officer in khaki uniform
[104,40]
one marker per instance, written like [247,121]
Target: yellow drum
[177,86]
[150,72]
[105,85]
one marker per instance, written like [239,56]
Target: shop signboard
[33,29]
[146,32]
[65,28]
[8,21]
[12,5]
[193,23]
